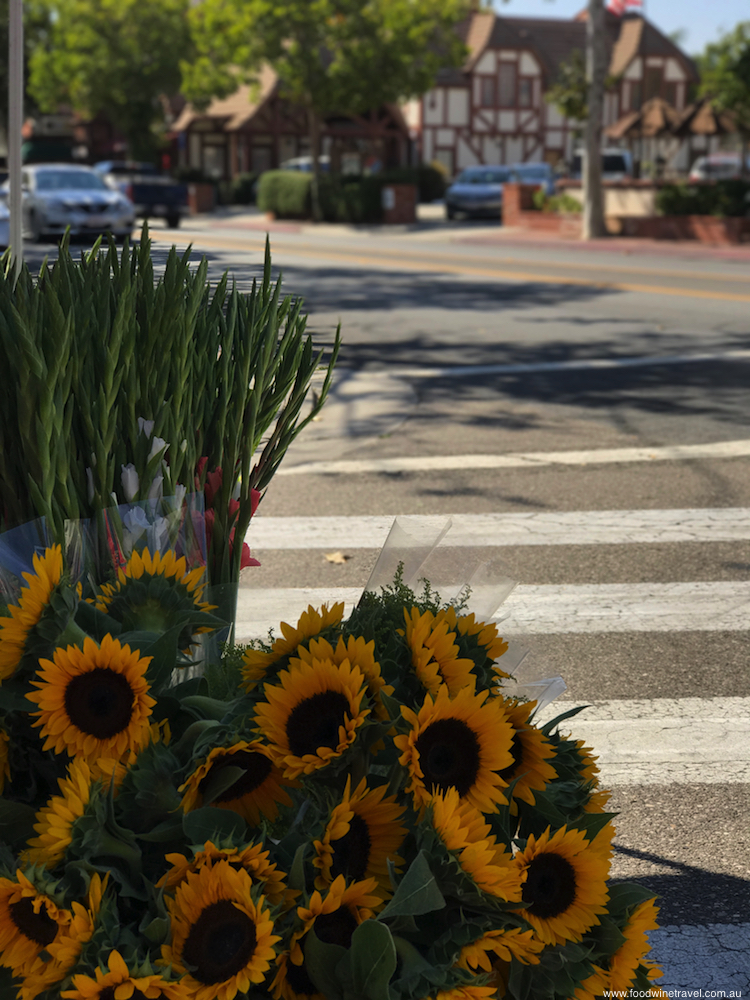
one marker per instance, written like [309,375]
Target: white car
[617,164]
[717,167]
[58,196]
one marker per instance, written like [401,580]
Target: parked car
[57,196]
[717,167]
[154,195]
[617,165]
[4,225]
[535,173]
[304,163]
[477,192]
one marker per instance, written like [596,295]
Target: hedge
[723,198]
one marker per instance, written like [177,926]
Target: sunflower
[4,758]
[16,631]
[155,593]
[598,797]
[485,634]
[462,742]
[362,834]
[252,858]
[623,965]
[60,956]
[120,981]
[593,986]
[30,920]
[505,943]
[531,752]
[466,992]
[435,655]
[565,888]
[312,715]
[335,916]
[465,834]
[222,938]
[255,662]
[256,792]
[56,820]
[94,702]
[359,653]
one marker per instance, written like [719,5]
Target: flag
[620,7]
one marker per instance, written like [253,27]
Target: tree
[333,57]
[35,24]
[725,78]
[115,57]
[569,93]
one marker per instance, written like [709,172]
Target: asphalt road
[459,346]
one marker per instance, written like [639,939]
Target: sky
[702,21]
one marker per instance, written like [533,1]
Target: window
[670,94]
[525,92]
[653,82]
[635,95]
[507,85]
[487,92]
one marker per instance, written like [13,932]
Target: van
[617,165]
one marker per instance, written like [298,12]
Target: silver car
[61,195]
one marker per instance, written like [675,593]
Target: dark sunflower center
[100,702]
[108,993]
[37,927]
[352,851]
[257,767]
[449,755]
[550,886]
[336,927]
[315,722]
[299,980]
[516,751]
[220,943]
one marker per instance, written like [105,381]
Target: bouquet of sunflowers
[359,809]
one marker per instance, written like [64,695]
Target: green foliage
[333,56]
[115,57]
[729,198]
[569,92]
[725,75]
[561,203]
[93,349]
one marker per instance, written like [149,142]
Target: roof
[554,39]
[655,118]
[232,112]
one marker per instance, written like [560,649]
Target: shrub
[428,180]
[563,203]
[722,198]
[286,193]
[244,189]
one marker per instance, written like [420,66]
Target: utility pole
[15,124]
[596,71]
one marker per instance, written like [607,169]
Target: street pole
[596,71]
[15,125]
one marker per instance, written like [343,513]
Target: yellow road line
[453,267]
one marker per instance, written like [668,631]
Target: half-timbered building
[493,110]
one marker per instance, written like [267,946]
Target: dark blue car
[477,192]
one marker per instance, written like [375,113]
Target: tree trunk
[596,69]
[314,133]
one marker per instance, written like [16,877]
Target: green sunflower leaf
[373,960]
[625,896]
[321,960]
[219,780]
[607,935]
[417,892]
[16,821]
[549,726]
[95,622]
[13,697]
[209,823]
[592,823]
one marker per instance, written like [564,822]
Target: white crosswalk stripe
[656,742]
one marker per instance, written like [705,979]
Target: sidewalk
[433,227]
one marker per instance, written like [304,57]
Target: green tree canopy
[332,56]
[725,76]
[569,93]
[117,57]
